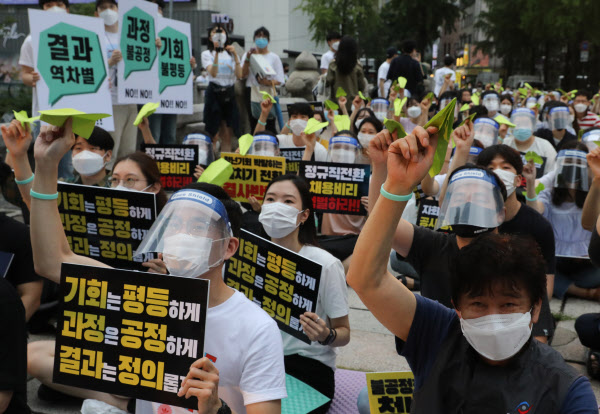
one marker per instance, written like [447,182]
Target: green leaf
[331,105]
[532,155]
[22,117]
[470,118]
[398,104]
[402,82]
[362,96]
[429,96]
[443,120]
[245,141]
[540,187]
[267,95]
[464,108]
[340,92]
[394,126]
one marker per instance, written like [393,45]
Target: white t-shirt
[382,74]
[26,59]
[251,81]
[541,147]
[440,74]
[332,303]
[112,44]
[287,141]
[247,346]
[326,59]
[226,72]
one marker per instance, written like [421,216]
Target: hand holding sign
[409,159]
[202,382]
[314,327]
[16,138]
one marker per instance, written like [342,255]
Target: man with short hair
[584,118]
[91,157]
[479,357]
[407,66]
[444,73]
[333,41]
[383,84]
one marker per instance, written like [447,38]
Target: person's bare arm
[342,103]
[430,186]
[387,298]
[310,142]
[238,66]
[46,227]
[463,138]
[591,207]
[265,108]
[381,87]
[213,69]
[529,174]
[144,127]
[17,140]
[29,76]
[31,294]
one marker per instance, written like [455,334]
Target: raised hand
[593,159]
[529,173]
[378,147]
[16,138]
[53,143]
[266,105]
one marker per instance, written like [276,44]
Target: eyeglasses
[128,182]
[193,227]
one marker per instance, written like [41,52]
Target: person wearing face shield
[584,118]
[558,122]
[287,218]
[491,100]
[265,145]
[481,354]
[333,42]
[223,67]
[486,131]
[562,206]
[206,154]
[195,233]
[591,137]
[523,140]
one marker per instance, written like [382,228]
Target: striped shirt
[590,120]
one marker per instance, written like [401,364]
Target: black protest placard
[428,213]
[129,333]
[292,156]
[176,164]
[337,187]
[106,224]
[278,280]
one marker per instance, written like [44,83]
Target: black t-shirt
[432,254]
[529,222]
[13,349]
[406,66]
[594,248]
[547,135]
[18,242]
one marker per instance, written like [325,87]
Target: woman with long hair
[345,71]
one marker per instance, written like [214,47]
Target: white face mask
[298,126]
[220,39]
[56,9]
[580,108]
[279,219]
[88,163]
[365,139]
[335,45]
[508,178]
[497,337]
[505,109]
[109,16]
[186,255]
[413,111]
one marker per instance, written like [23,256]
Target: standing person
[445,72]
[287,217]
[584,118]
[345,71]
[383,84]
[257,83]
[407,66]
[222,64]
[29,76]
[480,356]
[248,374]
[333,41]
[125,133]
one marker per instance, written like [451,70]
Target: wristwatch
[224,408]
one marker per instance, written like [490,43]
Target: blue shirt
[430,328]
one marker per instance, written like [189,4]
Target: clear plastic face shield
[473,154]
[491,102]
[486,131]
[380,108]
[265,145]
[343,150]
[558,117]
[590,138]
[205,148]
[571,170]
[192,232]
[473,198]
[523,118]
[531,102]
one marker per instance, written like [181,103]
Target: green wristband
[394,197]
[27,181]
[41,196]
[531,199]
[262,123]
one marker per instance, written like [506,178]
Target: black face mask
[469,212]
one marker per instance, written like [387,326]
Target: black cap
[391,51]
[42,2]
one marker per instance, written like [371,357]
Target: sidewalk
[372,348]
